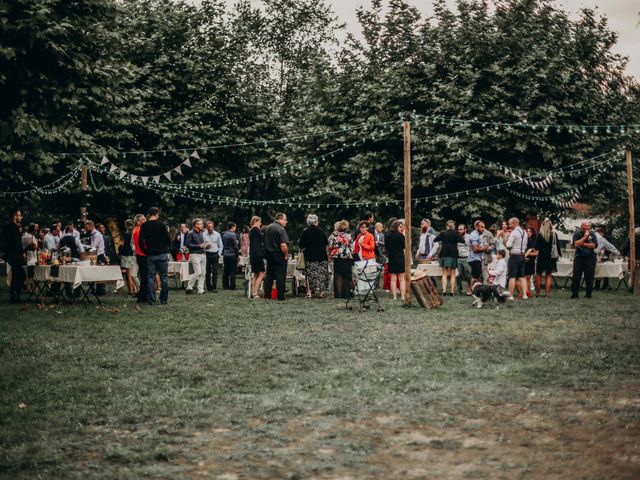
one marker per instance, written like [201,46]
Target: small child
[499,271]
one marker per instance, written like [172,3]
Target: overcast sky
[622,14]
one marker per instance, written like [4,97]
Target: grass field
[217,386]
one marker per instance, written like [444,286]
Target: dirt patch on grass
[580,435]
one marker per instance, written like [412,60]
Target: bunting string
[217,199]
[290,167]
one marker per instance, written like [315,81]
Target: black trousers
[276,270]
[101,288]
[143,273]
[211,273]
[230,263]
[18,277]
[583,266]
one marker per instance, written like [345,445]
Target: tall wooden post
[633,280]
[83,193]
[407,212]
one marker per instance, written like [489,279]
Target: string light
[262,142]
[622,128]
[51,188]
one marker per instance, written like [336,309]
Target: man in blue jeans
[155,243]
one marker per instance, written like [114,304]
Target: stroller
[367,278]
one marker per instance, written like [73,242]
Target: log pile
[425,291]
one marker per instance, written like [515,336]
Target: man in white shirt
[517,245]
[212,251]
[97,242]
[464,270]
[52,239]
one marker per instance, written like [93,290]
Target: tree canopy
[112,76]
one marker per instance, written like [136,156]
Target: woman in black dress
[256,255]
[313,242]
[394,243]
[548,249]
[530,256]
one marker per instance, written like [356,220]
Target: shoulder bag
[554,246]
[300,265]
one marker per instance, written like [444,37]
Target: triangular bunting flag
[187,162]
[104,160]
[156,179]
[112,168]
[195,155]
[134,178]
[178,170]
[168,175]
[122,174]
[144,180]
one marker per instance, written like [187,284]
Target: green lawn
[218,386]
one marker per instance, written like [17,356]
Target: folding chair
[367,278]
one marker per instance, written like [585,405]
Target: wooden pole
[407,212]
[83,193]
[633,280]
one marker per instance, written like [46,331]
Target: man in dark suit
[14,254]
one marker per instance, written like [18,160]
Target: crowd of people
[513,257]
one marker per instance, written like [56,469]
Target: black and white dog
[488,293]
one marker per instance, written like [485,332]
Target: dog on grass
[488,294]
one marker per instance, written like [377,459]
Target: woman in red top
[365,244]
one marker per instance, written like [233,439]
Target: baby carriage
[367,278]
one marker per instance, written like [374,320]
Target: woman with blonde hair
[449,239]
[549,251]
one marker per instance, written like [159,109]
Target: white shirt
[214,239]
[500,272]
[517,241]
[463,248]
[51,242]
[97,242]
[422,244]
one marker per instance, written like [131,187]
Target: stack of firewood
[425,290]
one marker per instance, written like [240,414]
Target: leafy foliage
[131,75]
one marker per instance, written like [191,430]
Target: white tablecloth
[77,275]
[432,269]
[603,270]
[181,270]
[293,272]
[242,261]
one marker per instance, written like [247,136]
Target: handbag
[554,247]
[300,263]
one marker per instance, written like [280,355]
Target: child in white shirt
[499,271]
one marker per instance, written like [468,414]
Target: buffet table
[180,271]
[77,276]
[432,269]
[603,270]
